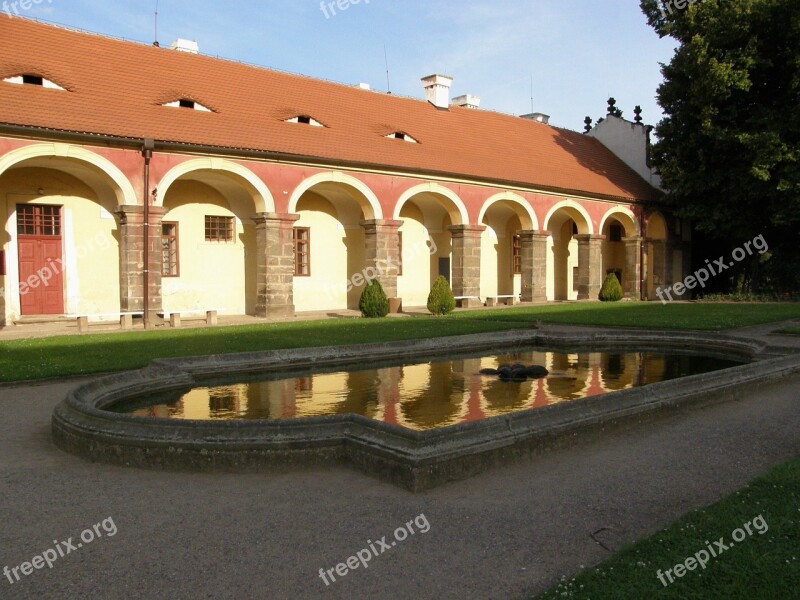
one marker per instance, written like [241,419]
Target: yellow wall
[561,262]
[212,275]
[497,277]
[420,268]
[491,251]
[337,254]
[614,258]
[90,239]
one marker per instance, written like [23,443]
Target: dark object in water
[517,372]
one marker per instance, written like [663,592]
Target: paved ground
[63,326]
[506,534]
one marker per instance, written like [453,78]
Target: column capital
[288,218]
[588,237]
[534,233]
[376,223]
[653,241]
[466,229]
[632,240]
[129,209]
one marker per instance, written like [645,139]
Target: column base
[274,312]
[469,303]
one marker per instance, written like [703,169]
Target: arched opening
[209,246]
[564,223]
[331,213]
[616,227]
[426,241]
[656,254]
[501,257]
[60,238]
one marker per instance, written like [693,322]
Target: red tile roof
[117,88]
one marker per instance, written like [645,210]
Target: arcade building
[135,176]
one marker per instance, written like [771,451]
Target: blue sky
[578,51]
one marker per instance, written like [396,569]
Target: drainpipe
[147,153]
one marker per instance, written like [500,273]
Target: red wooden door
[41,272]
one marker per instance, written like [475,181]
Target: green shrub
[374,304]
[441,300]
[612,290]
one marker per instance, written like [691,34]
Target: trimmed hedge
[441,300]
[611,290]
[374,304]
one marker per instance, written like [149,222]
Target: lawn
[80,355]
[650,315]
[762,565]
[790,330]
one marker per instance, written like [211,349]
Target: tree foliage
[611,290]
[441,300]
[729,146]
[374,304]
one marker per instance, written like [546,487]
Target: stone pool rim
[416,460]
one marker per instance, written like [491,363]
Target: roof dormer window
[305,120]
[190,104]
[36,80]
[399,135]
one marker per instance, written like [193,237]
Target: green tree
[611,290]
[441,300]
[729,145]
[374,304]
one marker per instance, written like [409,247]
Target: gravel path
[505,534]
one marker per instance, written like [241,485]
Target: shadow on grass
[33,359]
[22,360]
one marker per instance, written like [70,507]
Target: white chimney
[467,101]
[437,90]
[538,117]
[365,86]
[182,45]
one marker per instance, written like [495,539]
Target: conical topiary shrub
[374,304]
[611,290]
[441,300]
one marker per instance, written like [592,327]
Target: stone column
[631,287]
[467,263]
[533,249]
[383,254]
[2,300]
[131,258]
[275,264]
[590,266]
[3,284]
[659,262]
[687,259]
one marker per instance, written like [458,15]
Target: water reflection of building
[429,395]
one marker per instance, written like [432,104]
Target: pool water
[428,395]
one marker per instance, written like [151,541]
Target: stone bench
[495,300]
[125,319]
[175,317]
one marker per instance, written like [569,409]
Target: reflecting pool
[427,395]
